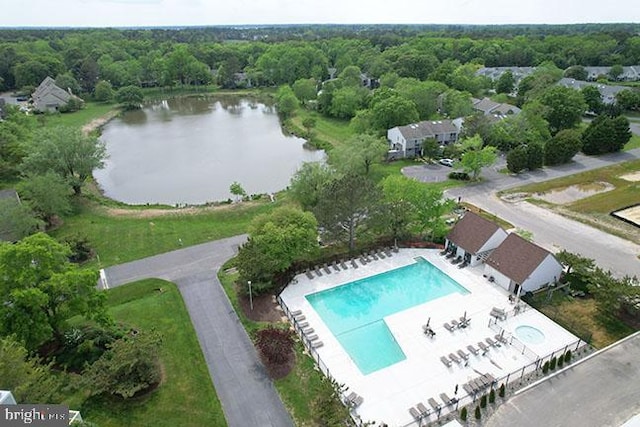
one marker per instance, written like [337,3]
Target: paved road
[550,230]
[246,392]
[603,390]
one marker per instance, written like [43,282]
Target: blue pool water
[355,312]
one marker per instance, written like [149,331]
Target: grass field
[187,396]
[633,143]
[92,110]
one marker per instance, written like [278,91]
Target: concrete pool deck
[389,392]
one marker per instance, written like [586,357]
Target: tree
[276,240]
[575,262]
[565,107]
[309,123]
[517,159]
[286,101]
[67,82]
[610,293]
[131,365]
[358,154]
[535,156]
[350,76]
[456,104]
[605,135]
[42,290]
[577,72]
[17,220]
[66,151]
[423,94]
[130,97]
[103,91]
[474,157]
[347,100]
[346,206]
[275,344]
[308,183]
[562,147]
[236,189]
[615,72]
[305,90]
[393,111]
[430,148]
[628,100]
[28,380]
[505,83]
[593,98]
[48,195]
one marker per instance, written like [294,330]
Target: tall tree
[286,101]
[42,290]
[103,91]
[346,206]
[130,97]
[593,98]
[505,83]
[606,135]
[305,90]
[48,195]
[475,157]
[67,152]
[565,107]
[393,111]
[17,220]
[358,154]
[562,147]
[308,183]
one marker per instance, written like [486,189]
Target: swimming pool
[530,335]
[355,311]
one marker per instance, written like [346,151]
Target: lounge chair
[296,313]
[363,260]
[455,358]
[415,414]
[483,346]
[381,255]
[473,350]
[446,361]
[447,400]
[343,265]
[303,325]
[468,388]
[357,401]
[463,265]
[455,323]
[444,252]
[498,313]
[307,331]
[351,397]
[318,272]
[312,337]
[490,377]
[434,405]
[373,255]
[326,269]
[317,344]
[387,252]
[462,354]
[448,327]
[354,264]
[450,255]
[491,342]
[501,338]
[309,275]
[457,260]
[335,266]
[464,321]
[424,412]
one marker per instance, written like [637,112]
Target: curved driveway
[550,230]
[245,390]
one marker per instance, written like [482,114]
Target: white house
[521,266]
[473,238]
[407,140]
[50,97]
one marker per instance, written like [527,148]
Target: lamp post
[250,295]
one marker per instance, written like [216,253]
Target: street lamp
[250,295]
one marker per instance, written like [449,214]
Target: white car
[446,162]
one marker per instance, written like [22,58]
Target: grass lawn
[327,129]
[92,110]
[633,143]
[131,234]
[187,396]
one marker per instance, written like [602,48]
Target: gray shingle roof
[472,232]
[517,258]
[427,129]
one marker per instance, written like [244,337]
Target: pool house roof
[517,258]
[472,232]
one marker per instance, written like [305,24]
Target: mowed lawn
[187,396]
[91,111]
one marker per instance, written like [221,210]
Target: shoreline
[99,122]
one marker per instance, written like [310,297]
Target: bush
[502,390]
[552,363]
[492,396]
[478,414]
[483,401]
[81,251]
[275,344]
[545,367]
[560,361]
[463,414]
[82,347]
[460,176]
[567,356]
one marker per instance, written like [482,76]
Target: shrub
[460,176]
[478,414]
[552,364]
[275,344]
[560,361]
[463,414]
[483,401]
[81,250]
[567,356]
[492,396]
[501,392]
[545,367]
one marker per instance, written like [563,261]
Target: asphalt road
[550,230]
[603,390]
[245,390]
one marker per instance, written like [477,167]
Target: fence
[512,381]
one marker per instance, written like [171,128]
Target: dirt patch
[633,177]
[280,370]
[265,308]
[97,123]
[631,215]
[570,194]
[158,212]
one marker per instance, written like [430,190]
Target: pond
[190,150]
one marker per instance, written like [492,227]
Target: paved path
[246,392]
[550,230]
[603,390]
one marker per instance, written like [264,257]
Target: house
[7,400]
[629,74]
[608,92]
[494,73]
[48,97]
[491,108]
[521,266]
[406,141]
[369,82]
[473,238]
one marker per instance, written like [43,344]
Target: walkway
[245,390]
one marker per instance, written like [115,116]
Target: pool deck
[390,392]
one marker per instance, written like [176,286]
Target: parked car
[446,162]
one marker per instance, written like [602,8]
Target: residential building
[406,141]
[520,266]
[608,92]
[494,73]
[473,238]
[48,97]
[629,74]
[498,110]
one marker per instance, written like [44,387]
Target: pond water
[190,150]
